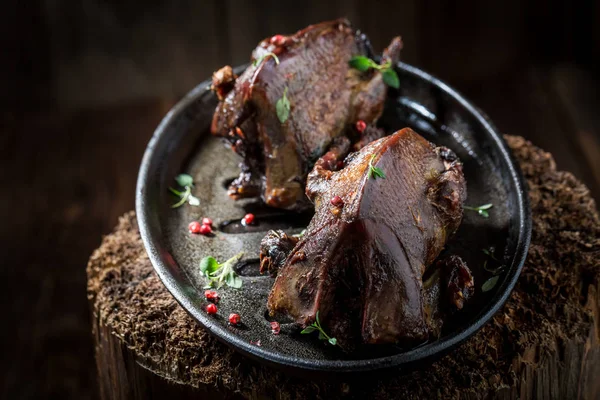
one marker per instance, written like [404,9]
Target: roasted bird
[366,261]
[323,97]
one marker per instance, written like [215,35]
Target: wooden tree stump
[543,344]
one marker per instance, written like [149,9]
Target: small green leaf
[489,284]
[322,336]
[481,210]
[390,77]
[208,265]
[282,107]
[236,282]
[308,329]
[333,341]
[361,63]
[375,172]
[184,180]
[193,200]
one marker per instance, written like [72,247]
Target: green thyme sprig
[300,235]
[481,210]
[389,75]
[375,172]
[264,56]
[283,107]
[187,182]
[316,326]
[219,274]
[491,282]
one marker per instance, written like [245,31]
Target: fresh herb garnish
[184,180]
[389,75]
[220,274]
[316,326]
[186,195]
[283,107]
[489,284]
[300,235]
[481,210]
[490,253]
[261,58]
[375,172]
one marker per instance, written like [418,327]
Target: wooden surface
[68,175]
[544,344]
[84,53]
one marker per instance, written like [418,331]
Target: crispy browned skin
[361,264]
[326,96]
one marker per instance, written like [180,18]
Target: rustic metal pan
[182,143]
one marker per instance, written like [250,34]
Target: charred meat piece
[325,96]
[379,223]
[274,249]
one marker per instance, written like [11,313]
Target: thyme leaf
[283,107]
[389,75]
[375,172]
[316,326]
[481,210]
[489,284]
[187,182]
[220,274]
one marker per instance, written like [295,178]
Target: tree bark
[544,343]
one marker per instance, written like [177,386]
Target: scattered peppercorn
[337,201]
[211,308]
[275,327]
[205,230]
[211,295]
[278,40]
[194,227]
[361,126]
[248,219]
[234,319]
[206,221]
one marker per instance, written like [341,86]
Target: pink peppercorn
[211,295]
[205,230]
[194,227]
[361,125]
[275,327]
[337,201]
[278,40]
[211,308]
[248,219]
[234,319]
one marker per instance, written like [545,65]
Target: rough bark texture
[543,344]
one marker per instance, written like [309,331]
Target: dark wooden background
[86,82]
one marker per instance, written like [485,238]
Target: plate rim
[402,360]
